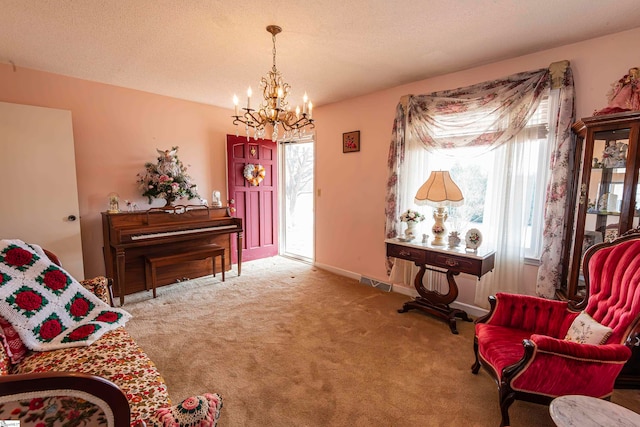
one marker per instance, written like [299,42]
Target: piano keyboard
[179,232]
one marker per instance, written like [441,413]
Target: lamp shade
[439,190]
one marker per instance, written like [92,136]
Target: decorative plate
[473,238]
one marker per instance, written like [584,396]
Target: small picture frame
[351,142]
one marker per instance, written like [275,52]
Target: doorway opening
[296,208]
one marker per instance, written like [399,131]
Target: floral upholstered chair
[539,349]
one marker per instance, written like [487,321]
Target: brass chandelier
[274,109]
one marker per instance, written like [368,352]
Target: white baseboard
[404,290]
[472,310]
[338,271]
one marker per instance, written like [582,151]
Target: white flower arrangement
[411,216]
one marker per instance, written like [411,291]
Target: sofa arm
[552,367]
[30,397]
[200,411]
[529,313]
[608,353]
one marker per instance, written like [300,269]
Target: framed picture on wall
[351,141]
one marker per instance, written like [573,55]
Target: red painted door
[257,205]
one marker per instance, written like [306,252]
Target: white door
[39,201]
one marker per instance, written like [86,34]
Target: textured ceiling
[207,50]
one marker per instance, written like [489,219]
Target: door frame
[309,138]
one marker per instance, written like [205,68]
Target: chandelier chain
[273,38]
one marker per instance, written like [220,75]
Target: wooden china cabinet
[605,189]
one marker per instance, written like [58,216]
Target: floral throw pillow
[586,330]
[194,411]
[48,308]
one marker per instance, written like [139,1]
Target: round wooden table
[585,411]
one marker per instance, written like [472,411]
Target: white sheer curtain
[507,219]
[405,271]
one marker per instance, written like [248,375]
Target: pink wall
[117,130]
[350,207]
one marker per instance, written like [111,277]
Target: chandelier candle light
[440,192]
[274,110]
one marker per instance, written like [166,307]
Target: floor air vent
[376,283]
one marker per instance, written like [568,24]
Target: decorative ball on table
[167,179]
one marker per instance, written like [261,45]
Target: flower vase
[439,230]
[169,200]
[411,229]
[454,239]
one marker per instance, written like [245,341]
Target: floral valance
[483,116]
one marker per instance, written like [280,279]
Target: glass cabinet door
[606,189]
[602,195]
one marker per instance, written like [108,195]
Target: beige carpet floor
[288,344]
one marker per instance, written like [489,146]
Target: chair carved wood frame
[520,342]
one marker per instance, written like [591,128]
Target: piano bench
[197,253]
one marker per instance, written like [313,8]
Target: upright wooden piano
[130,236]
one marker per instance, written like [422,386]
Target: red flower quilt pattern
[48,308]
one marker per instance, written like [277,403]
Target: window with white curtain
[506,185]
[508,144]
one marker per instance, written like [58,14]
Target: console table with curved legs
[449,261]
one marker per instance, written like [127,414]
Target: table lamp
[440,192]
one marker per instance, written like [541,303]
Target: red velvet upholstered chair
[521,342]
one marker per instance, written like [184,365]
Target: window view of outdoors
[298,216]
[471,177]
